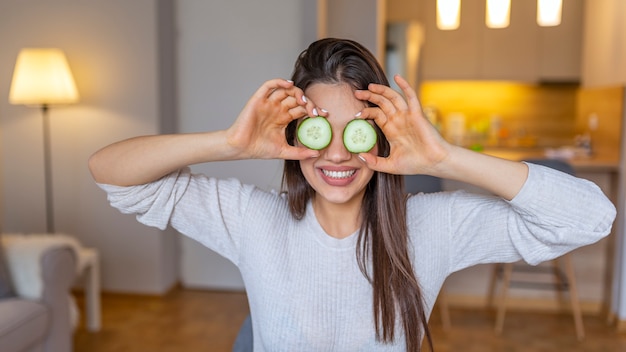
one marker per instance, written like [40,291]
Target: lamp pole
[42,77]
[47,169]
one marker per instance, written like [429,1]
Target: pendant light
[448,14]
[549,12]
[498,13]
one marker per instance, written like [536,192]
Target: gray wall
[138,64]
[112,49]
[126,62]
[227,49]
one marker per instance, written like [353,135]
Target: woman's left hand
[416,146]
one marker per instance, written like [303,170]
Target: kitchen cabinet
[560,47]
[452,54]
[523,51]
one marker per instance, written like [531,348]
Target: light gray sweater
[305,289]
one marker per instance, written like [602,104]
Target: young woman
[342,259]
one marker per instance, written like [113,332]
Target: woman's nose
[336,150]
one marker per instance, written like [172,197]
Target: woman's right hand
[259,131]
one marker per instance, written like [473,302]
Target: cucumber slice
[315,132]
[359,136]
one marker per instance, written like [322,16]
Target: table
[89,270]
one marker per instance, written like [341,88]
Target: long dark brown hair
[383,235]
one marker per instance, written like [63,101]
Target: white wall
[111,47]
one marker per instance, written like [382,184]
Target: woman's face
[337,175]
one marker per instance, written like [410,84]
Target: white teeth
[338,174]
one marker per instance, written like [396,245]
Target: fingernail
[358,114]
[361,158]
[324,110]
[315,112]
[304,99]
[288,80]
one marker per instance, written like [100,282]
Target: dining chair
[557,276]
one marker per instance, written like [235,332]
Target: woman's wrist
[501,177]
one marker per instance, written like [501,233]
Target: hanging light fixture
[448,14]
[498,13]
[549,12]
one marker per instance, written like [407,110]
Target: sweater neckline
[323,237]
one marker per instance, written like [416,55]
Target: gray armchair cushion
[6,286]
[58,275]
[42,324]
[24,323]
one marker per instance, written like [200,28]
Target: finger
[299,94]
[377,99]
[294,96]
[289,102]
[267,88]
[280,94]
[298,153]
[321,112]
[312,109]
[373,113]
[298,112]
[396,99]
[376,163]
[409,93]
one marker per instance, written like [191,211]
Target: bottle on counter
[432,114]
[495,129]
[455,128]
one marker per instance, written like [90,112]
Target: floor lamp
[41,78]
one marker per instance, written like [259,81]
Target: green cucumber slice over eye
[315,132]
[359,136]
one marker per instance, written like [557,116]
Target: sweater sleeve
[208,210]
[552,214]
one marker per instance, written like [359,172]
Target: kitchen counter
[601,160]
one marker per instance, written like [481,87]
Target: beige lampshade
[42,77]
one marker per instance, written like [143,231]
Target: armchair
[39,322]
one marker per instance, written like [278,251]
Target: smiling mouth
[338,174]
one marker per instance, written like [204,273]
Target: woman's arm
[144,159]
[258,133]
[501,177]
[417,147]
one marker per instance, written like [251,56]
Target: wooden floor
[189,320]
